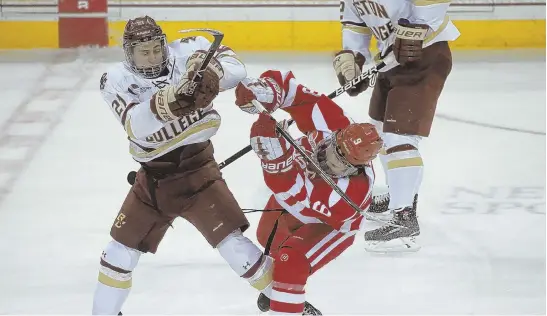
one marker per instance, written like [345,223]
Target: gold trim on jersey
[264,280]
[406,162]
[109,281]
[439,30]
[128,129]
[429,2]
[215,123]
[365,30]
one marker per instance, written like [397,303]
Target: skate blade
[403,244]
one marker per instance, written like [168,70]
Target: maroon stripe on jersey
[124,114]
[353,23]
[223,49]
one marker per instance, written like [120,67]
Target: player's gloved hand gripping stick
[370,75]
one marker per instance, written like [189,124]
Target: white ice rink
[64,160]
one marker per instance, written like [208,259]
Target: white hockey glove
[347,65]
[264,90]
[274,151]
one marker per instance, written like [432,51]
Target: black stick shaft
[370,74]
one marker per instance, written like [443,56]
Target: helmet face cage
[331,160]
[147,71]
[141,31]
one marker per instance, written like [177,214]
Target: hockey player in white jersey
[169,130]
[413,40]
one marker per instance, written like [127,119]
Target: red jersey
[309,198]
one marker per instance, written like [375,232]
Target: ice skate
[263,304]
[379,207]
[390,238]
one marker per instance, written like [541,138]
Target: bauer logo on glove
[347,65]
[409,39]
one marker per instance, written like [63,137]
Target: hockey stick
[318,169]
[370,74]
[198,75]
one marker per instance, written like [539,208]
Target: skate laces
[396,220]
[381,199]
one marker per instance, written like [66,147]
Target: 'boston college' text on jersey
[362,19]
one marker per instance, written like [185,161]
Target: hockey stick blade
[318,169]
[198,75]
[210,31]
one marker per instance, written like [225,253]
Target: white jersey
[128,96]
[362,19]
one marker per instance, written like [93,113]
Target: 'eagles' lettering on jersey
[371,8]
[367,7]
[383,32]
[364,19]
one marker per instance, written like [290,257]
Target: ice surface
[64,159]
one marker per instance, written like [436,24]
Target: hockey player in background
[415,34]
[320,224]
[169,135]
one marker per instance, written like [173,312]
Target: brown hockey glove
[172,102]
[195,60]
[347,65]
[409,39]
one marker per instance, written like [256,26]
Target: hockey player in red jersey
[321,225]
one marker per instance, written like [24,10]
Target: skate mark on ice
[35,118]
[486,125]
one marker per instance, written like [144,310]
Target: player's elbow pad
[234,72]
